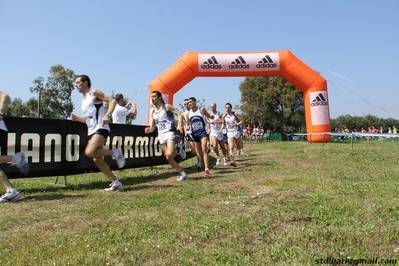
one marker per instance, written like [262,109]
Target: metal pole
[38,104]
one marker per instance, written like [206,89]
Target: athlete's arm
[151,128]
[221,120]
[76,118]
[105,98]
[205,112]
[238,118]
[172,110]
[187,118]
[223,123]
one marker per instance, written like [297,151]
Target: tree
[272,102]
[358,122]
[54,95]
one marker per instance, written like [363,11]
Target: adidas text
[211,66]
[238,66]
[318,104]
[268,65]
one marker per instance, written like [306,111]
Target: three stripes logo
[266,62]
[211,63]
[238,63]
[319,100]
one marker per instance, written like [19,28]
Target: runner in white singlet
[97,121]
[216,134]
[231,122]
[163,119]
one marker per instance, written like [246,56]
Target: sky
[125,44]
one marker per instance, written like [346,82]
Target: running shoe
[10,196]
[206,173]
[114,186]
[18,160]
[118,156]
[182,177]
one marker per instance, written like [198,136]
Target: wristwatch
[109,115]
[1,113]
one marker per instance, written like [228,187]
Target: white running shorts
[164,136]
[234,134]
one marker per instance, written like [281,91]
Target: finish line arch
[269,63]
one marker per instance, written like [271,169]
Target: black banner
[55,147]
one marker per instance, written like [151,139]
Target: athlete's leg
[204,142]
[231,141]
[214,144]
[170,152]
[95,150]
[223,148]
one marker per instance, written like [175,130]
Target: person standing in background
[123,110]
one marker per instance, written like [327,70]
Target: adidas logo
[239,62]
[211,63]
[319,100]
[266,62]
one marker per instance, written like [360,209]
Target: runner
[231,122]
[188,136]
[216,134]
[162,118]
[195,121]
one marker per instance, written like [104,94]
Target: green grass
[287,203]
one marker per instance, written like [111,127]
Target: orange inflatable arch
[269,63]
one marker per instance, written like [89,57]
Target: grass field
[287,203]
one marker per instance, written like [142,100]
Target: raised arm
[205,112]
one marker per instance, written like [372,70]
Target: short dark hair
[84,78]
[192,99]
[118,96]
[229,104]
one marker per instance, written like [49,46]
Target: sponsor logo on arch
[238,62]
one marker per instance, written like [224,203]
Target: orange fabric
[268,63]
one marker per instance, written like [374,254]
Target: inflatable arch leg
[269,63]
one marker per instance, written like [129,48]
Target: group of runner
[201,129]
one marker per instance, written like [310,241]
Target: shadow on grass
[50,197]
[101,184]
[130,183]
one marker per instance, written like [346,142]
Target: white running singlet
[93,114]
